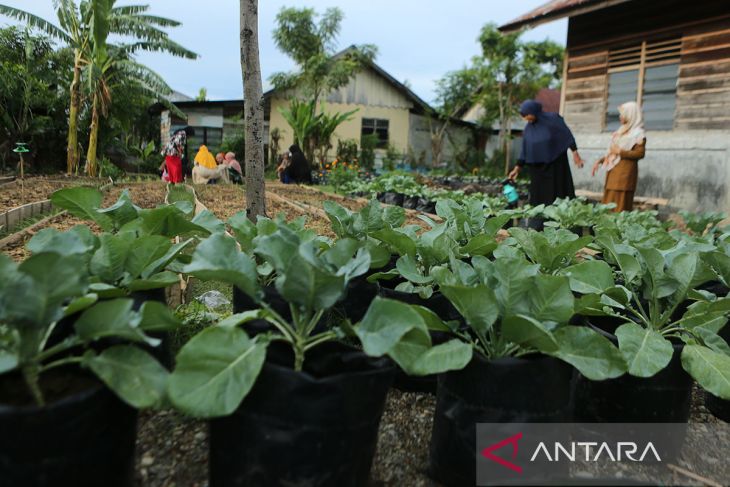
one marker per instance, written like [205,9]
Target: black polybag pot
[84,440]
[358,296]
[505,390]
[392,198]
[663,398]
[410,202]
[426,206]
[315,428]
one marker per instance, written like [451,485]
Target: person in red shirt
[174,152]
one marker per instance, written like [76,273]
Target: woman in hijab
[628,146]
[298,170]
[175,153]
[205,158]
[545,143]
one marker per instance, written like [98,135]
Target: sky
[418,40]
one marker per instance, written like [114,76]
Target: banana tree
[75,25]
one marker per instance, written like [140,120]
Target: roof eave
[570,11]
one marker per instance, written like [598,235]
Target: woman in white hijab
[628,146]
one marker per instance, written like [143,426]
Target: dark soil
[56,384]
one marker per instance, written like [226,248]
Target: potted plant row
[309,394]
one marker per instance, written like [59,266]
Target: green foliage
[342,174]
[311,45]
[313,131]
[33,101]
[392,158]
[347,150]
[235,144]
[699,223]
[368,144]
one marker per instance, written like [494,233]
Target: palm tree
[75,28]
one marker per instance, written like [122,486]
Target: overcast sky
[418,40]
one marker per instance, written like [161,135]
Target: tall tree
[312,45]
[508,71]
[253,110]
[75,28]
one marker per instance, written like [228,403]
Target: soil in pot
[316,428]
[83,437]
[505,390]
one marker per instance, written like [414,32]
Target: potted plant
[250,384]
[523,347]
[664,349]
[62,419]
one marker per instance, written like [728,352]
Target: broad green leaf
[64,243]
[244,230]
[713,340]
[20,301]
[551,299]
[709,368]
[121,212]
[385,323]
[157,316]
[108,262]
[592,276]
[379,254]
[55,279]
[408,268]
[133,374]
[514,284]
[592,354]
[155,281]
[165,260]
[399,241]
[215,370]
[79,304]
[143,251]
[8,361]
[646,351]
[483,244]
[217,259]
[431,319]
[168,221]
[209,221]
[241,318]
[82,202]
[415,355]
[477,305]
[529,332]
[309,286]
[114,318]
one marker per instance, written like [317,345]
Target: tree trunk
[253,110]
[508,145]
[72,151]
[90,168]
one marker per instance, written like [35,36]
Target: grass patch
[196,316]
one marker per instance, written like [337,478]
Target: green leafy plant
[552,249]
[656,284]
[701,223]
[36,294]
[512,309]
[312,278]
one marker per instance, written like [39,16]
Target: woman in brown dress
[628,145]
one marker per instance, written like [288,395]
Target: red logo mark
[512,440]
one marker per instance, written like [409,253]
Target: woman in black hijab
[545,144]
[299,170]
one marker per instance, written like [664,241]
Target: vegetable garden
[352,322]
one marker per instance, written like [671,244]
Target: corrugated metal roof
[556,9]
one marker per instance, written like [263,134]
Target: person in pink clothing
[231,161]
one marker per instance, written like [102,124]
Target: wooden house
[673,58]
